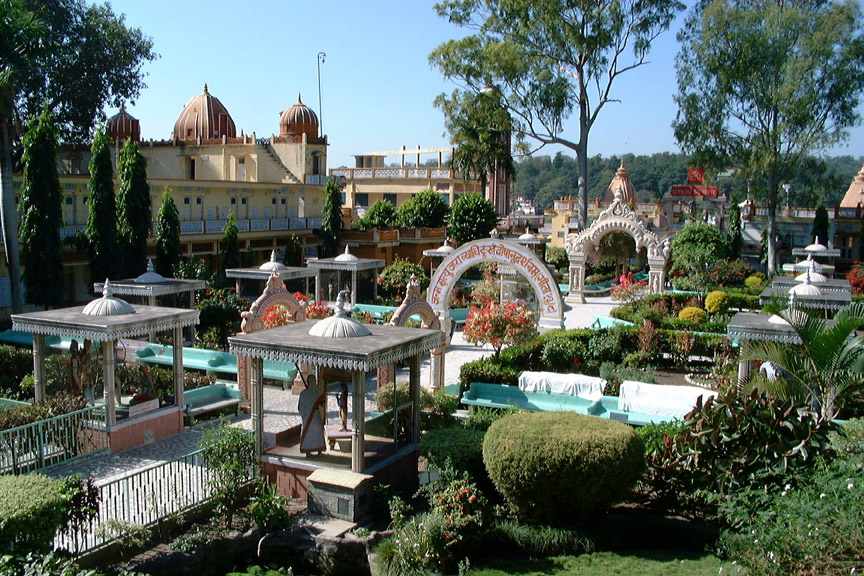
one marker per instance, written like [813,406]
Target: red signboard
[693,191]
[696,176]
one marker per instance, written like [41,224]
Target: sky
[377,87]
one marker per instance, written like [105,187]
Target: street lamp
[321,57]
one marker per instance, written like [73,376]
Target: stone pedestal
[339,494]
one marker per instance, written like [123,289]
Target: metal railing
[53,441]
[8,404]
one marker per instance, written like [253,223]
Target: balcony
[192,227]
[389,173]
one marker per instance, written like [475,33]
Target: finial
[107,289]
[122,107]
[299,101]
[340,303]
[273,256]
[618,194]
[205,88]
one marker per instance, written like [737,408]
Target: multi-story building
[274,186]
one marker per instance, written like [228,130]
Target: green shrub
[754,282]
[717,302]
[510,538]
[481,418]
[562,354]
[51,407]
[462,448]
[437,408]
[614,374]
[611,344]
[32,509]
[693,314]
[15,364]
[393,280]
[487,370]
[744,301]
[558,467]
[229,454]
[415,547]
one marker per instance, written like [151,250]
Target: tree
[472,217]
[294,253]
[167,236]
[826,367]
[696,248]
[616,247]
[821,224]
[393,280]
[101,229]
[133,208]
[230,457]
[500,325]
[426,209]
[331,218]
[480,129]
[41,214]
[230,244]
[382,214]
[733,231]
[72,58]
[761,84]
[547,57]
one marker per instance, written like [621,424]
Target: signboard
[696,176]
[705,191]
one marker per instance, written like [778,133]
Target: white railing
[392,172]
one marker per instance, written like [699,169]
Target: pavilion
[265,271]
[346,262]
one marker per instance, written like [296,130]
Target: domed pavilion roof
[622,181]
[123,126]
[339,325]
[108,305]
[297,120]
[204,117]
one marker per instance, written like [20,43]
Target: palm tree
[825,367]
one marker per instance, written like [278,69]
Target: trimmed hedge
[693,315]
[560,467]
[32,509]
[461,446]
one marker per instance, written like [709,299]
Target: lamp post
[321,57]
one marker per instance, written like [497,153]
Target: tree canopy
[133,208]
[547,58]
[230,244]
[472,217]
[167,236]
[382,214]
[697,247]
[101,228]
[41,214]
[331,218]
[762,84]
[425,209]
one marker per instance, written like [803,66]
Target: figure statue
[312,426]
[343,404]
[74,375]
[85,368]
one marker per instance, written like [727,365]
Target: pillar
[354,287]
[108,380]
[318,285]
[358,430]
[256,385]
[39,366]
[178,367]
[414,387]
[151,301]
[577,278]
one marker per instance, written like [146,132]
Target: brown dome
[298,119]
[123,126]
[204,117]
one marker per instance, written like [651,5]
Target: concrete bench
[603,322]
[459,315]
[379,313]
[505,396]
[211,398]
[212,361]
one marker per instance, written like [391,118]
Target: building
[274,186]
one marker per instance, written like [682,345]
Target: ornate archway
[275,294]
[549,303]
[412,305]
[617,218]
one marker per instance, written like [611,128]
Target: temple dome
[339,325]
[297,120]
[123,126]
[346,256]
[108,305]
[204,117]
[621,181]
[854,196]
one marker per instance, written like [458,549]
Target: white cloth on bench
[662,400]
[588,387]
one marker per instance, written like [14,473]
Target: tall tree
[230,244]
[331,218]
[425,209]
[133,208]
[733,230]
[821,225]
[763,83]
[167,236]
[41,214]
[67,55]
[472,217]
[382,214]
[101,228]
[547,57]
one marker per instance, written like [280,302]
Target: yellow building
[274,186]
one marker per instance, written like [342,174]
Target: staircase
[274,158]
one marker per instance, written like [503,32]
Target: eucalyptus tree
[763,83]
[133,208]
[545,58]
[41,214]
[101,228]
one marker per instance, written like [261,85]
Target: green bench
[603,322]
[459,315]
[505,396]
[212,361]
[16,338]
[211,398]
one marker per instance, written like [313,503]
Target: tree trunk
[772,224]
[9,216]
[582,162]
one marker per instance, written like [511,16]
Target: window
[446,198]
[199,201]
[390,198]
[233,201]
[316,165]
[243,201]
[70,200]
[84,200]
[283,201]
[274,201]
[361,199]
[186,200]
[343,197]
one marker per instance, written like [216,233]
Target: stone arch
[617,218]
[275,294]
[412,305]
[549,303]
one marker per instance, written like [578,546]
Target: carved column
[358,430]
[39,366]
[178,367]
[256,373]
[108,381]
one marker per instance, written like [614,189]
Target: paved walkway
[281,407]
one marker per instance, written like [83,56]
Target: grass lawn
[634,563]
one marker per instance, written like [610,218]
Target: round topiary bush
[558,467]
[717,302]
[753,282]
[693,314]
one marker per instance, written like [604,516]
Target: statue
[85,367]
[74,365]
[343,404]
[312,428]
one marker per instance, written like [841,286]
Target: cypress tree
[167,236]
[41,214]
[230,244]
[733,230]
[133,209]
[101,229]
[821,224]
[331,218]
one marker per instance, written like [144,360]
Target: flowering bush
[649,340]
[500,325]
[727,273]
[276,316]
[393,280]
[318,310]
[856,277]
[301,297]
[460,505]
[629,292]
[487,290]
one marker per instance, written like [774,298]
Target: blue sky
[376,84]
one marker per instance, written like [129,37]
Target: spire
[205,88]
